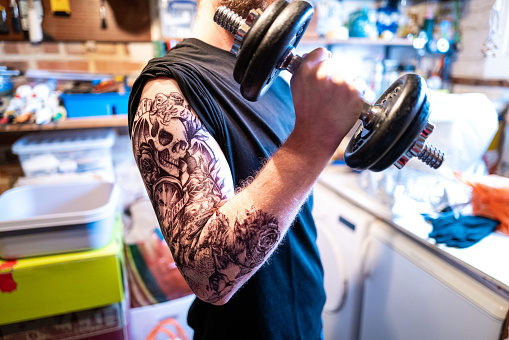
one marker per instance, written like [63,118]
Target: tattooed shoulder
[180,169]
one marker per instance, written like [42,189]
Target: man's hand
[326,105]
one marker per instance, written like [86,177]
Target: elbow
[215,289]
[219,302]
[222,301]
[213,299]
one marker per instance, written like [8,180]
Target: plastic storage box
[144,319]
[95,104]
[69,151]
[56,218]
[102,323]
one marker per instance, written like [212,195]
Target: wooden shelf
[356,41]
[480,82]
[69,124]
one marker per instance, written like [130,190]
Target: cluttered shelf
[479,82]
[70,123]
[357,41]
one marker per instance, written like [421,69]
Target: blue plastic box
[95,104]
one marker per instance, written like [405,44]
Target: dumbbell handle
[421,149]
[292,63]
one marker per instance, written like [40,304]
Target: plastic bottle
[34,24]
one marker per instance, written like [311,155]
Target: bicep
[184,170]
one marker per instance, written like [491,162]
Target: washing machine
[342,229]
[412,293]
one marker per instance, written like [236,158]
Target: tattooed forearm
[236,252]
[185,184]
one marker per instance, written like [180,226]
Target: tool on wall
[4,27]
[34,24]
[102,10]
[15,18]
[31,13]
[393,130]
[60,7]
[492,44]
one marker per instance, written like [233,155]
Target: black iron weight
[393,130]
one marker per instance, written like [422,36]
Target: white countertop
[487,260]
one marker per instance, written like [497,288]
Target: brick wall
[95,57]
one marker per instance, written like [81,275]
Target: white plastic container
[144,319]
[68,151]
[56,218]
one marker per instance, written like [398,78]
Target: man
[230,180]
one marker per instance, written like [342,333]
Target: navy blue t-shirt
[285,297]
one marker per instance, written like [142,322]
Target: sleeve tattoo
[181,175]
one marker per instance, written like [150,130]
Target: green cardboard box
[38,287]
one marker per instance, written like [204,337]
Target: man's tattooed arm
[219,239]
[187,180]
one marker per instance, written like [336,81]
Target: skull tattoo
[167,132]
[170,147]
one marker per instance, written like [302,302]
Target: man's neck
[208,31]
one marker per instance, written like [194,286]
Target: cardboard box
[104,323]
[39,287]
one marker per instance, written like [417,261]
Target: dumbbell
[393,130]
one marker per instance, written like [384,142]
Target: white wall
[471,61]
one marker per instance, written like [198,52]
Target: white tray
[47,219]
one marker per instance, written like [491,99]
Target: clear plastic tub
[68,151]
[56,218]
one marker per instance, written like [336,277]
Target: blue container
[95,104]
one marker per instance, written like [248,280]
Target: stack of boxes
[65,296]
[61,250]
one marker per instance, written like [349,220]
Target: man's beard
[242,7]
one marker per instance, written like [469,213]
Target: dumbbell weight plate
[401,103]
[254,36]
[406,141]
[283,35]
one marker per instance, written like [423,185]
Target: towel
[460,231]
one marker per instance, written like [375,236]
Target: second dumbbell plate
[400,104]
[405,141]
